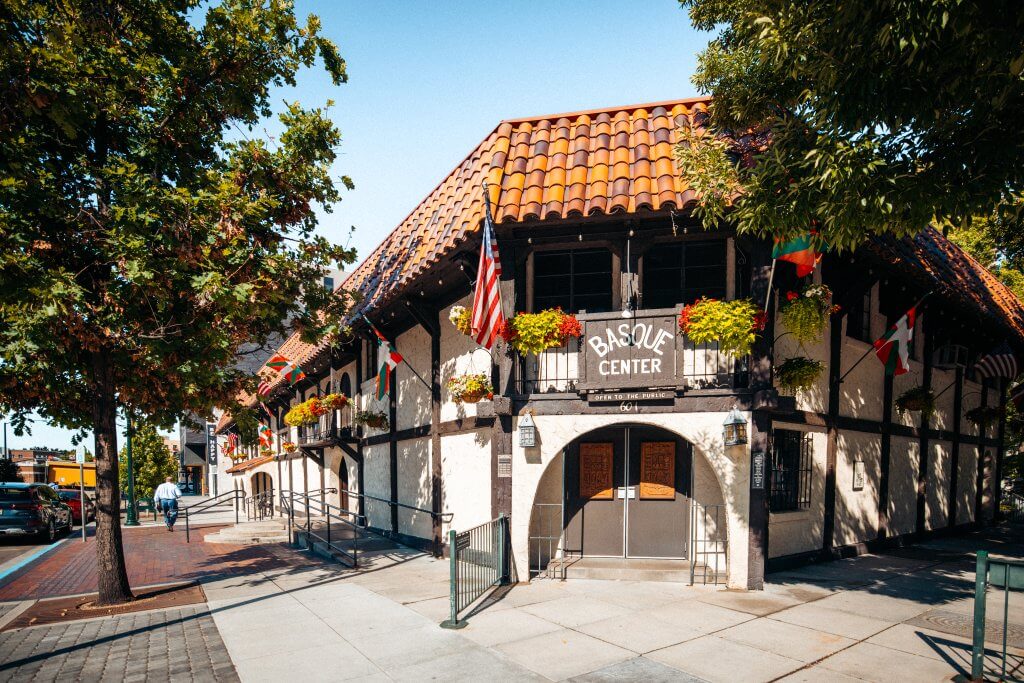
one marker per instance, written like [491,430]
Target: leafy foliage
[152,461]
[806,313]
[798,374]
[310,410]
[461,317]
[537,332]
[146,231]
[857,118]
[733,324]
[9,471]
[371,418]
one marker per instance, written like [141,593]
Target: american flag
[488,318]
[264,388]
[1000,362]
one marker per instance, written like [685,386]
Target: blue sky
[429,80]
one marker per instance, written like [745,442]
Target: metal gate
[479,560]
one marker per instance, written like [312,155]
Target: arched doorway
[261,483]
[627,493]
[343,484]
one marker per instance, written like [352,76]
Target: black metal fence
[1001,574]
[479,561]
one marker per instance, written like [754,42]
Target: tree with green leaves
[857,118]
[147,232]
[9,471]
[152,460]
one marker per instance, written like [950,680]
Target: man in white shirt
[166,500]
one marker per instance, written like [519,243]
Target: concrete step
[628,569]
[251,533]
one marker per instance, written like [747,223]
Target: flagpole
[771,278]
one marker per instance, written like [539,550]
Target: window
[858,319]
[682,272]
[329,283]
[577,280]
[791,471]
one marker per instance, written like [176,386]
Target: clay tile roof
[614,160]
[952,272]
[249,464]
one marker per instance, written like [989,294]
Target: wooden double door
[627,494]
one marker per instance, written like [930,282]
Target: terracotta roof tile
[249,464]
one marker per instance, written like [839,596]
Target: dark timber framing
[923,442]
[836,340]
[954,472]
[761,422]
[886,457]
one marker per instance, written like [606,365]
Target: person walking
[166,500]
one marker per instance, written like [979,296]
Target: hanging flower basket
[470,388]
[372,419]
[333,401]
[264,451]
[983,415]
[806,313]
[299,415]
[918,399]
[289,447]
[798,374]
[236,456]
[461,317]
[534,333]
[733,324]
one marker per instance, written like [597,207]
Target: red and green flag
[893,348]
[266,436]
[290,369]
[798,251]
[388,358]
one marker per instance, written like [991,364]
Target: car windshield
[8,495]
[68,495]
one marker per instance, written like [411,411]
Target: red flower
[506,331]
[569,327]
[791,295]
[760,320]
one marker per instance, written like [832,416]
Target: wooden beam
[997,494]
[886,457]
[954,472]
[834,372]
[923,442]
[393,448]
[761,421]
[979,484]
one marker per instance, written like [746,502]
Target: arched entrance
[627,493]
[343,484]
[261,483]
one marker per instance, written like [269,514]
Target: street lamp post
[130,518]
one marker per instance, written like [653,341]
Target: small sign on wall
[858,475]
[757,471]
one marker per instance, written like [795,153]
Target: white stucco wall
[966,479]
[414,487]
[376,473]
[466,473]
[860,394]
[857,510]
[904,463]
[413,393]
[703,430]
[937,493]
[460,355]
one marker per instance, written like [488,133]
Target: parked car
[32,509]
[72,498]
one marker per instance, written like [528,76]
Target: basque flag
[287,367]
[488,317]
[798,251]
[893,348]
[388,357]
[266,436]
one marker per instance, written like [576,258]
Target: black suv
[32,509]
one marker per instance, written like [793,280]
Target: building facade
[613,444]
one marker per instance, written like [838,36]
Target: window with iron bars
[791,471]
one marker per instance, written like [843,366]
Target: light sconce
[734,429]
[527,431]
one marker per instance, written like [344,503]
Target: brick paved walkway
[171,645]
[153,556]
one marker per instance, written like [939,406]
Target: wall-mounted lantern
[734,430]
[527,431]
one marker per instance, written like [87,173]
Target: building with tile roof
[628,457]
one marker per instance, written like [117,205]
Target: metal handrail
[443,516]
[262,505]
[325,509]
[1005,574]
[234,495]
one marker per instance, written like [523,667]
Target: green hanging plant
[371,418]
[537,332]
[798,374]
[983,414]
[806,313]
[733,324]
[917,399]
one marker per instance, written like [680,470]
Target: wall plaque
[597,462]
[658,470]
[858,475]
[757,471]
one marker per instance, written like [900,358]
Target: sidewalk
[904,615]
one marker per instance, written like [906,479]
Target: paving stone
[564,654]
[870,662]
[717,659]
[637,669]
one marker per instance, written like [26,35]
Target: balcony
[329,429]
[642,351]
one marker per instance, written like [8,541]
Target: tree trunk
[113,575]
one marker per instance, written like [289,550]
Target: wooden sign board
[658,470]
[597,463]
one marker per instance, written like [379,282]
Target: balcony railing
[641,351]
[328,429]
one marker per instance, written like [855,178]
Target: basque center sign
[631,352]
